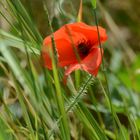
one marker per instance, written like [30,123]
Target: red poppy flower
[76,38]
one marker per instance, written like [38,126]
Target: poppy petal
[90,32]
[66,53]
[89,64]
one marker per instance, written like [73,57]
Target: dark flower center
[83,49]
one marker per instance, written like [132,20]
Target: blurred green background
[122,68]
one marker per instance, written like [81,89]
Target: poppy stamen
[83,49]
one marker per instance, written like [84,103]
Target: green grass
[35,104]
